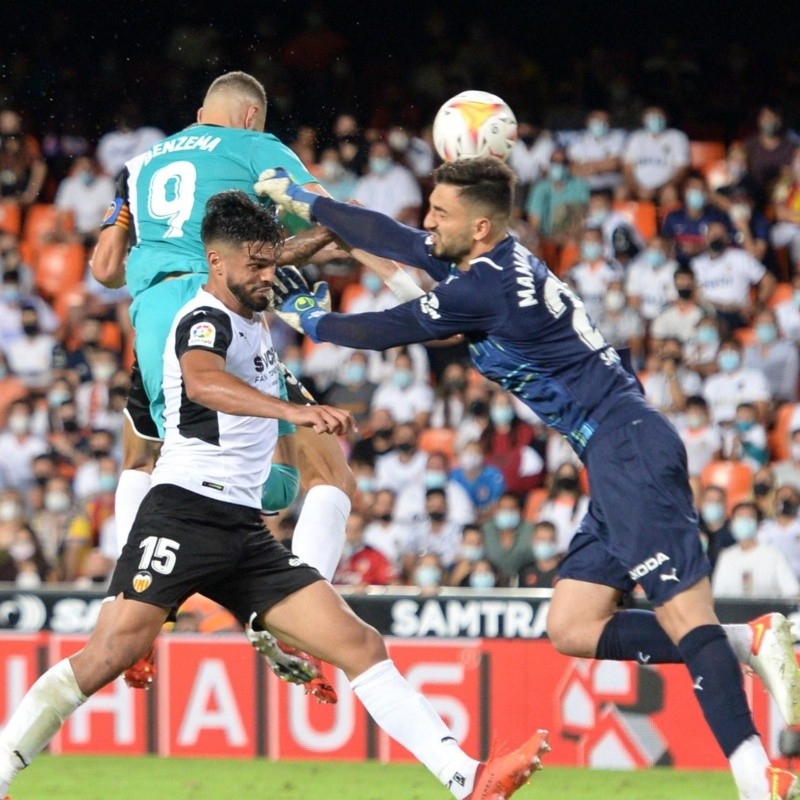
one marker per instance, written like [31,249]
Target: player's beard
[452,251]
[248,300]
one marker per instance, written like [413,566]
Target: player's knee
[141,457]
[342,478]
[563,630]
[365,648]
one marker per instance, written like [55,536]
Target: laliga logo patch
[202,333]
[142,581]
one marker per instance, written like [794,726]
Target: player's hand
[324,419]
[296,303]
[281,188]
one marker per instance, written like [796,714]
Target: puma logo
[672,576]
[643,659]
[698,687]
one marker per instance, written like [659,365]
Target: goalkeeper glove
[297,304]
[281,188]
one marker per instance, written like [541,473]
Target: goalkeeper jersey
[168,186]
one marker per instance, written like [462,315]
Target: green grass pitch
[152,778]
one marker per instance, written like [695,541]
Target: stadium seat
[783,291]
[350,293]
[745,336]
[11,389]
[42,221]
[779,435]
[533,504]
[704,155]
[733,476]
[10,218]
[438,440]
[59,268]
[642,215]
[570,255]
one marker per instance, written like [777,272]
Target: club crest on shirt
[141,581]
[202,333]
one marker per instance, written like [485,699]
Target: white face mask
[470,461]
[56,502]
[103,371]
[18,424]
[9,510]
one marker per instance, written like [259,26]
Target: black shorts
[182,543]
[137,409]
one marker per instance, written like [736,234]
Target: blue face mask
[481,580]
[365,484]
[85,177]
[107,483]
[402,378]
[655,123]
[743,425]
[728,360]
[712,513]
[435,479]
[598,128]
[766,332]
[707,335]
[380,165]
[743,528]
[797,297]
[371,282]
[544,551]
[695,199]
[471,553]
[505,519]
[655,258]
[591,251]
[355,373]
[427,576]
[596,219]
[501,415]
[558,171]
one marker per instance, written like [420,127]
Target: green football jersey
[169,185]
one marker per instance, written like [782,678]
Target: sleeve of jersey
[204,329]
[376,233]
[451,308]
[118,213]
[269,152]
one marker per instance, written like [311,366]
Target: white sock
[748,764]
[319,534]
[410,720]
[49,702]
[132,487]
[741,639]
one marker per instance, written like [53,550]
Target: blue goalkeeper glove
[296,303]
[281,188]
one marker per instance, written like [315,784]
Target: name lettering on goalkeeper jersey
[207,143]
[524,278]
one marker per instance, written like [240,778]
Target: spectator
[433,534]
[530,156]
[130,138]
[339,182]
[350,143]
[566,505]
[751,567]
[680,318]
[94,571]
[91,397]
[619,236]
[482,575]
[654,157]
[352,391]
[469,554]
[403,396]
[620,324]
[596,154]
[30,565]
[404,465]
[701,439]
[410,505]
[715,532]
[702,348]
[747,441]
[379,441]
[362,565]
[375,297]
[382,533]
[788,470]
[22,168]
[783,531]
[592,275]
[786,208]
[389,187]
[751,229]
[556,205]
[542,572]
[507,537]
[30,358]
[484,484]
[98,473]
[734,384]
[775,356]
[427,574]
[650,282]
[725,275]
[85,195]
[686,226]
[768,151]
[668,388]
[450,404]
[18,447]
[764,492]
[787,313]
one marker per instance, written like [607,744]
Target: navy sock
[635,635]
[718,685]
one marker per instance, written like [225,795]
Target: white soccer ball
[473,124]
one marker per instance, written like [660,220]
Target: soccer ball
[473,124]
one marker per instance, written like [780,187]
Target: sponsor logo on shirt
[203,334]
[429,305]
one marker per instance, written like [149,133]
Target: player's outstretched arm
[108,260]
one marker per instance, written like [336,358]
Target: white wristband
[403,286]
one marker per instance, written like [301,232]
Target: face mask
[741,211]
[766,332]
[743,425]
[615,300]
[371,282]
[405,447]
[103,372]
[717,246]
[30,328]
[427,576]
[506,520]
[107,483]
[794,450]
[728,360]
[85,177]
[501,415]
[743,528]
[402,378]
[685,294]
[470,461]
[99,452]
[70,425]
[384,517]
[437,516]
[478,408]
[528,139]
[11,293]
[655,258]
[695,199]
[365,484]
[456,384]
[9,511]
[22,551]
[56,502]
[707,335]
[567,483]
[398,141]
[331,170]
[761,489]
[380,166]
[18,424]
[481,580]
[785,507]
[295,366]
[591,251]
[384,433]
[56,397]
[558,171]
[712,513]
[435,479]
[596,219]
[655,123]
[770,128]
[797,297]
[3,371]
[471,552]
[695,421]
[598,128]
[354,374]
[543,551]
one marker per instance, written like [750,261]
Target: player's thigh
[139,450]
[687,610]
[321,461]
[317,620]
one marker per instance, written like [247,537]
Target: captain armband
[118,213]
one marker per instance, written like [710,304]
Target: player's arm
[108,260]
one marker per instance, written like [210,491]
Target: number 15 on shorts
[159,554]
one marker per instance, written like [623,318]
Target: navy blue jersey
[526,329]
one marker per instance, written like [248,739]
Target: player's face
[450,224]
[249,272]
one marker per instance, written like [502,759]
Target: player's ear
[481,228]
[251,118]
[200,114]
[214,262]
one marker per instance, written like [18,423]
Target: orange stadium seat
[350,293]
[783,291]
[59,268]
[745,336]
[779,435]
[10,218]
[533,504]
[569,257]
[704,155]
[42,221]
[733,476]
[441,440]
[640,214]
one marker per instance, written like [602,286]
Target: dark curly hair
[233,217]
[487,182]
